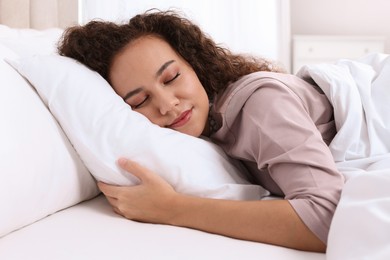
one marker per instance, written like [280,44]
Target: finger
[108,190]
[113,203]
[136,169]
[117,211]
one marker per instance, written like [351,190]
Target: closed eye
[141,103]
[172,79]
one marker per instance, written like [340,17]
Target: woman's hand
[150,201]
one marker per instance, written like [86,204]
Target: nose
[167,101]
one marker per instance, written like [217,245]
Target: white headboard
[38,14]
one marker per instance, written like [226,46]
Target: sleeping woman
[276,124]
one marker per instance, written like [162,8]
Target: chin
[192,132]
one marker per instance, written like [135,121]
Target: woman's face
[158,83]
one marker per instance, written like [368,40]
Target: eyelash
[172,79]
[143,101]
[147,96]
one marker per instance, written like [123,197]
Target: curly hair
[96,43]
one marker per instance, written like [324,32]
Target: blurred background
[293,32]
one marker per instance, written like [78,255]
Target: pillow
[28,42]
[40,171]
[102,128]
[6,53]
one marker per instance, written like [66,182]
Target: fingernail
[122,161]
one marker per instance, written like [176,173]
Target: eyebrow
[158,73]
[163,67]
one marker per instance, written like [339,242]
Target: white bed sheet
[91,230]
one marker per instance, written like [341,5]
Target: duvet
[359,91]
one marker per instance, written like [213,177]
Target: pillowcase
[28,42]
[40,172]
[102,128]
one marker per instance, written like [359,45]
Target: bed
[51,159]
[51,207]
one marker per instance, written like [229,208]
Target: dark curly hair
[96,43]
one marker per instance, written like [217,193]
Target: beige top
[280,126]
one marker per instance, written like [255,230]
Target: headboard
[38,14]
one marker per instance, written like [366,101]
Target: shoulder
[246,85]
[271,85]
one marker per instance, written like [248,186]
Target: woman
[278,125]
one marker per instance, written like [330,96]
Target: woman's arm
[155,201]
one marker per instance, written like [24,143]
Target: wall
[341,17]
[38,14]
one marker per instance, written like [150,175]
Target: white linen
[91,230]
[361,225]
[28,42]
[40,172]
[360,94]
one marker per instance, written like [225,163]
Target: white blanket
[360,94]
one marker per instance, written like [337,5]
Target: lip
[182,119]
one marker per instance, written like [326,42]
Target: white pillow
[40,172]
[28,42]
[102,128]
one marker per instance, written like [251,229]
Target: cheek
[153,117]
[203,99]
[196,89]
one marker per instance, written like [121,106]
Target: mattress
[91,230]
